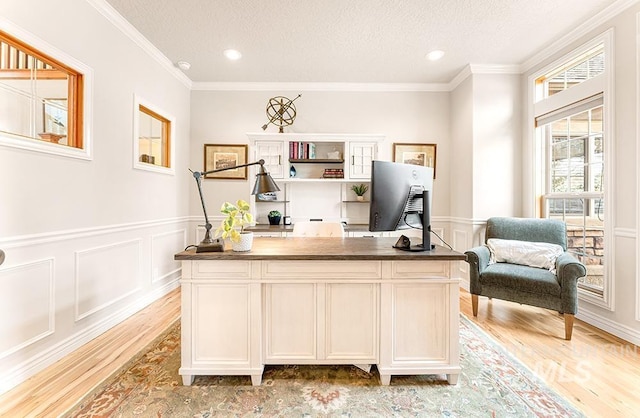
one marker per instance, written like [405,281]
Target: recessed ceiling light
[184,65]
[435,55]
[232,54]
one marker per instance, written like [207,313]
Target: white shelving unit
[309,195]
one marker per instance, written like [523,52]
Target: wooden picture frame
[417,154]
[217,156]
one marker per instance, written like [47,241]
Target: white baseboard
[30,367]
[619,330]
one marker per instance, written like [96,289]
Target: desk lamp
[264,184]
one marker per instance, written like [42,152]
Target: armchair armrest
[568,271]
[478,259]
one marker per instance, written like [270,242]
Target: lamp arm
[203,173]
[197,175]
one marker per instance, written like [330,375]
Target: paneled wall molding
[46,313]
[120,281]
[625,233]
[56,236]
[157,253]
[40,361]
[107,274]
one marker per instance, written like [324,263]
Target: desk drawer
[293,269]
[221,269]
[419,269]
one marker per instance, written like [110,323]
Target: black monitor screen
[397,197]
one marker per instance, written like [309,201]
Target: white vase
[245,243]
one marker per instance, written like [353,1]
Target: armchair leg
[568,326]
[474,304]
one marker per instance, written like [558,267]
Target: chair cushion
[533,254]
[521,278]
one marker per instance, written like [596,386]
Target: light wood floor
[595,371]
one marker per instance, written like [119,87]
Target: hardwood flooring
[595,371]
[59,387]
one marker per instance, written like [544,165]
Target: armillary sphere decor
[281,112]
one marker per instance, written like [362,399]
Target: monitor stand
[426,230]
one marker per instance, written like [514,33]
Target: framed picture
[417,154]
[54,116]
[217,156]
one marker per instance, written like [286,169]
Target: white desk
[320,301]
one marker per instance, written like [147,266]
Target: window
[153,139]
[41,100]
[575,192]
[584,67]
[571,114]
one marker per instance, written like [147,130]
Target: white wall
[497,139]
[461,127]
[87,242]
[226,117]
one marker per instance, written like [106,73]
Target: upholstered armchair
[495,274]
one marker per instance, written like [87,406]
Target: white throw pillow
[533,254]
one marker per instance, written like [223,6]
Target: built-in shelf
[355,201]
[272,201]
[316,161]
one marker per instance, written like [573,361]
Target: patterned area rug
[492,384]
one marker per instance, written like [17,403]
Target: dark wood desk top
[327,249]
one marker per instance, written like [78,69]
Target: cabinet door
[290,322]
[223,325]
[272,152]
[361,154]
[351,322]
[416,324]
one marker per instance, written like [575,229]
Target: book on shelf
[333,173]
[302,150]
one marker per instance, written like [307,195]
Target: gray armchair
[524,284]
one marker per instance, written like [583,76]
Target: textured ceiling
[367,41]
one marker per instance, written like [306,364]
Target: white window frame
[603,83]
[33,144]
[137,164]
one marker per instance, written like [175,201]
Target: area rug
[492,384]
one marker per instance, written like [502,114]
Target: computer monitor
[398,194]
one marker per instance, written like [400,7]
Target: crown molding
[581,30]
[471,69]
[132,33]
[311,86]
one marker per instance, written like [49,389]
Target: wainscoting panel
[105,275]
[27,298]
[61,289]
[163,248]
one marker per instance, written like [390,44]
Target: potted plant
[274,217]
[360,190]
[237,216]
